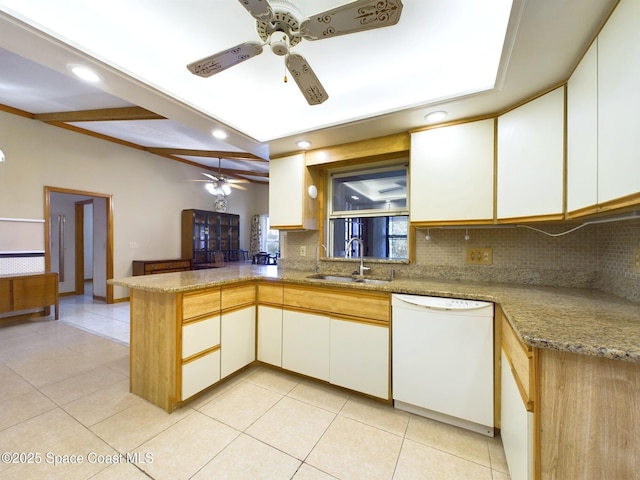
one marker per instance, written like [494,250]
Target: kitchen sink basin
[371,280]
[344,279]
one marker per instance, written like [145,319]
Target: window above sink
[370,204]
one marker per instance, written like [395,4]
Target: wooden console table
[28,291]
[148,267]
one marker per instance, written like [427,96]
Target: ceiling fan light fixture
[436,116]
[279,43]
[226,189]
[211,188]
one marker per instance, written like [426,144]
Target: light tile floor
[67,413]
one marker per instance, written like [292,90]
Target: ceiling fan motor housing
[284,25]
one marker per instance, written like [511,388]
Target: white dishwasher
[442,357]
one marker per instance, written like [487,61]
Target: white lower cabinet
[516,427]
[200,373]
[359,357]
[305,343]
[270,335]
[200,355]
[238,340]
[199,336]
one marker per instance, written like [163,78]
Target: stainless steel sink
[344,279]
[371,280]
[331,278]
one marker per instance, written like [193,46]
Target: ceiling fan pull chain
[285,71]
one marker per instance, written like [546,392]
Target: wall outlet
[479,256]
[636,260]
[303,250]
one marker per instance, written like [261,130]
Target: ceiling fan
[220,184]
[280,24]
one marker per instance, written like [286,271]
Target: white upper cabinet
[582,133]
[619,103]
[290,205]
[531,159]
[452,173]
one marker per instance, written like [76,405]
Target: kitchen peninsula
[583,349]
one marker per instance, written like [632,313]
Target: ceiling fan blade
[218,62]
[258,9]
[235,185]
[350,18]
[306,79]
[208,175]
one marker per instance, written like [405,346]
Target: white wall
[149,192]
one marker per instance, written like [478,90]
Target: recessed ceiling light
[219,134]
[435,116]
[85,73]
[304,144]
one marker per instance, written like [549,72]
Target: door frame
[48,190]
[79,236]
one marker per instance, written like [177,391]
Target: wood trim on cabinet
[364,321]
[234,297]
[371,149]
[270,293]
[350,302]
[520,359]
[533,218]
[201,302]
[198,355]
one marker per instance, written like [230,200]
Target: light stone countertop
[582,321]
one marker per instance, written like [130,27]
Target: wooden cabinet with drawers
[148,267]
[175,344]
[29,291]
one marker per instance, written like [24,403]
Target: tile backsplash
[595,256]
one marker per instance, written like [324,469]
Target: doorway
[68,214]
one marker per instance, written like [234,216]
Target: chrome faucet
[318,255]
[361,243]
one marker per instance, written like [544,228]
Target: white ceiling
[379,82]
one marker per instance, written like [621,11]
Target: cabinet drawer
[235,296]
[5,296]
[200,374]
[167,266]
[34,292]
[270,293]
[521,360]
[200,303]
[200,335]
[374,306]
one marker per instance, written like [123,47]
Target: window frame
[331,215]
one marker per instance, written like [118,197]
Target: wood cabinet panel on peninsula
[175,344]
[567,415]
